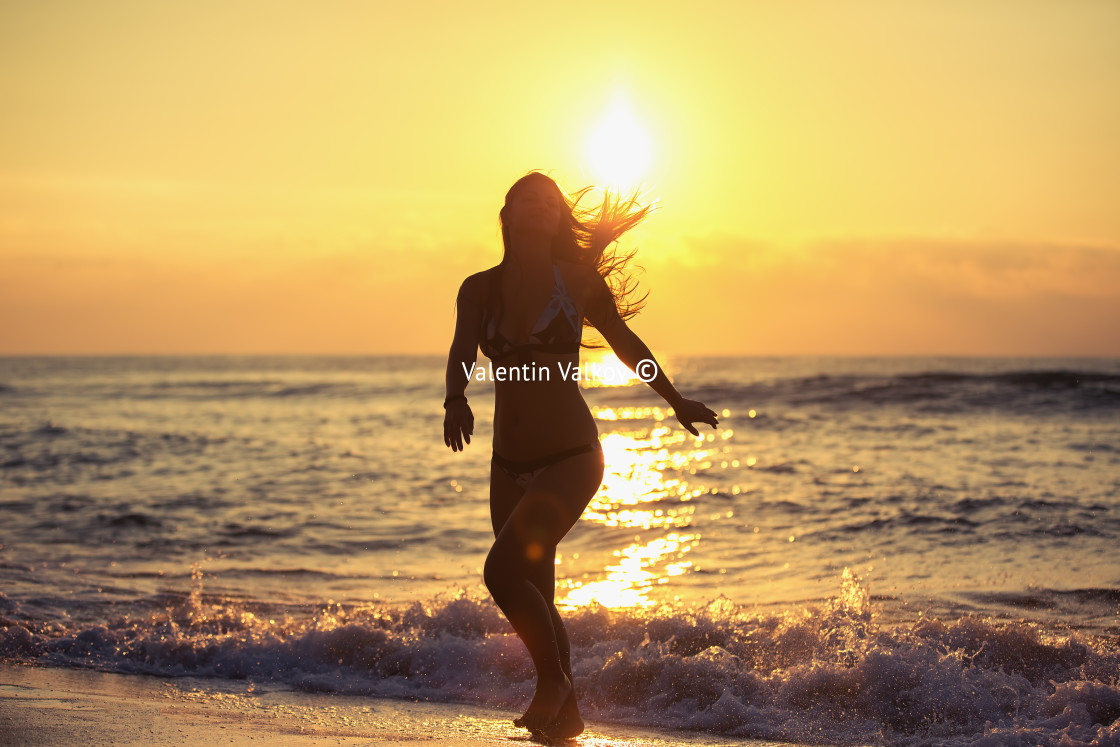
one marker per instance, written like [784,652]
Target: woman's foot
[568,722]
[550,699]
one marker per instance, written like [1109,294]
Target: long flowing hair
[588,236]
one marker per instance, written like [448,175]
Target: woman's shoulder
[477,284]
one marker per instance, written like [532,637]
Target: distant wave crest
[946,392]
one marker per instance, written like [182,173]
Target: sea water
[895,550]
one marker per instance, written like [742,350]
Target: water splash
[826,672]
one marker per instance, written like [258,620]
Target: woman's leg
[504,495]
[543,577]
[523,552]
[568,722]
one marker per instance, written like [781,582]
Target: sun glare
[605,369]
[637,495]
[619,149]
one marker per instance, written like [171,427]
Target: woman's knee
[508,564]
[499,571]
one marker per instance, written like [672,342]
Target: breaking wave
[827,673]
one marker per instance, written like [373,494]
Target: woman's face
[536,207]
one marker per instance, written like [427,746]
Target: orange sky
[834,178]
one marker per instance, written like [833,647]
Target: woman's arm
[458,420]
[630,349]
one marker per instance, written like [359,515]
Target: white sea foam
[830,673]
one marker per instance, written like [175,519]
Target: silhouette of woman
[526,314]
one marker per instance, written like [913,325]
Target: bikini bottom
[523,473]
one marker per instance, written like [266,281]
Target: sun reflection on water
[627,582]
[637,494]
[605,369]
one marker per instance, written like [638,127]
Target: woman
[527,316]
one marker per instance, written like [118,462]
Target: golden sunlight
[629,581]
[619,149]
[636,495]
[606,369]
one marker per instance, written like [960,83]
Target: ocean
[867,551]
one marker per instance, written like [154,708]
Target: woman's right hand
[458,424]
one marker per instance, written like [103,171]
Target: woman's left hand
[689,411]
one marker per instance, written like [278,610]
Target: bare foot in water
[568,722]
[550,699]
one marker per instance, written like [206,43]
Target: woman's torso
[538,407]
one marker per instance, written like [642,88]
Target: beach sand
[49,706]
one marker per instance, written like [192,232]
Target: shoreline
[56,706]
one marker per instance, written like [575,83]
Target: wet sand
[49,706]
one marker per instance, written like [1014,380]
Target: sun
[619,148]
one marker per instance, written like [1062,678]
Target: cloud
[986,270]
[297,298]
[720,294]
[889,296]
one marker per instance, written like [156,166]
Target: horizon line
[440,354]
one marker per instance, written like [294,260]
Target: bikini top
[559,328]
